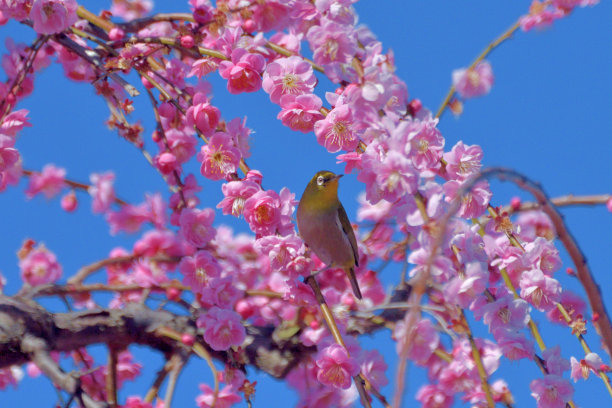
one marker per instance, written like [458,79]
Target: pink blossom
[331,42]
[513,344]
[8,158]
[373,368]
[434,396]
[159,242]
[53,16]
[462,290]
[198,270]
[166,163]
[131,9]
[473,202]
[263,212]
[236,193]
[288,76]
[280,250]
[609,204]
[128,218]
[540,16]
[540,290]
[49,181]
[300,112]
[425,144]
[572,303]
[196,226]
[219,157]
[396,177]
[17,9]
[202,114]
[40,266]
[69,201]
[10,376]
[536,223]
[134,401]
[222,328]
[225,399]
[243,71]
[102,191]
[581,370]
[474,82]
[552,391]
[203,67]
[239,133]
[555,364]
[463,161]
[352,161]
[542,254]
[506,312]
[336,131]
[424,340]
[336,367]
[220,292]
[14,122]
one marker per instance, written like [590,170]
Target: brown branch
[73,184]
[593,292]
[135,323]
[37,350]
[506,35]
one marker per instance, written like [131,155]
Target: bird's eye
[320,180]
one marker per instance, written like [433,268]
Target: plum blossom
[581,369]
[463,290]
[555,364]
[50,181]
[222,328]
[463,161]
[40,266]
[332,42]
[263,212]
[196,226]
[219,157]
[474,82]
[242,72]
[337,131]
[473,202]
[552,391]
[280,250]
[435,396]
[335,367]
[53,16]
[202,114]
[236,193]
[300,112]
[425,340]
[540,290]
[225,398]
[288,76]
[540,16]
[198,270]
[102,191]
[17,9]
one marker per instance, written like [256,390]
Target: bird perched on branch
[325,227]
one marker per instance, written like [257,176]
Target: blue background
[547,116]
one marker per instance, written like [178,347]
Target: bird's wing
[348,230]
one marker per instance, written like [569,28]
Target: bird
[325,227]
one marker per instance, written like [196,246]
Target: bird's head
[322,190]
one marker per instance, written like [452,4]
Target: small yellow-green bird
[325,227]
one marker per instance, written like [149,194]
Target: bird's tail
[350,272]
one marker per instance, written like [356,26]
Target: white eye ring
[320,180]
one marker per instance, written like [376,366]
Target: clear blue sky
[548,116]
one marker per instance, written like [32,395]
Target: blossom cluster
[411,179]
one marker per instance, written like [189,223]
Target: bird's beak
[338,176]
